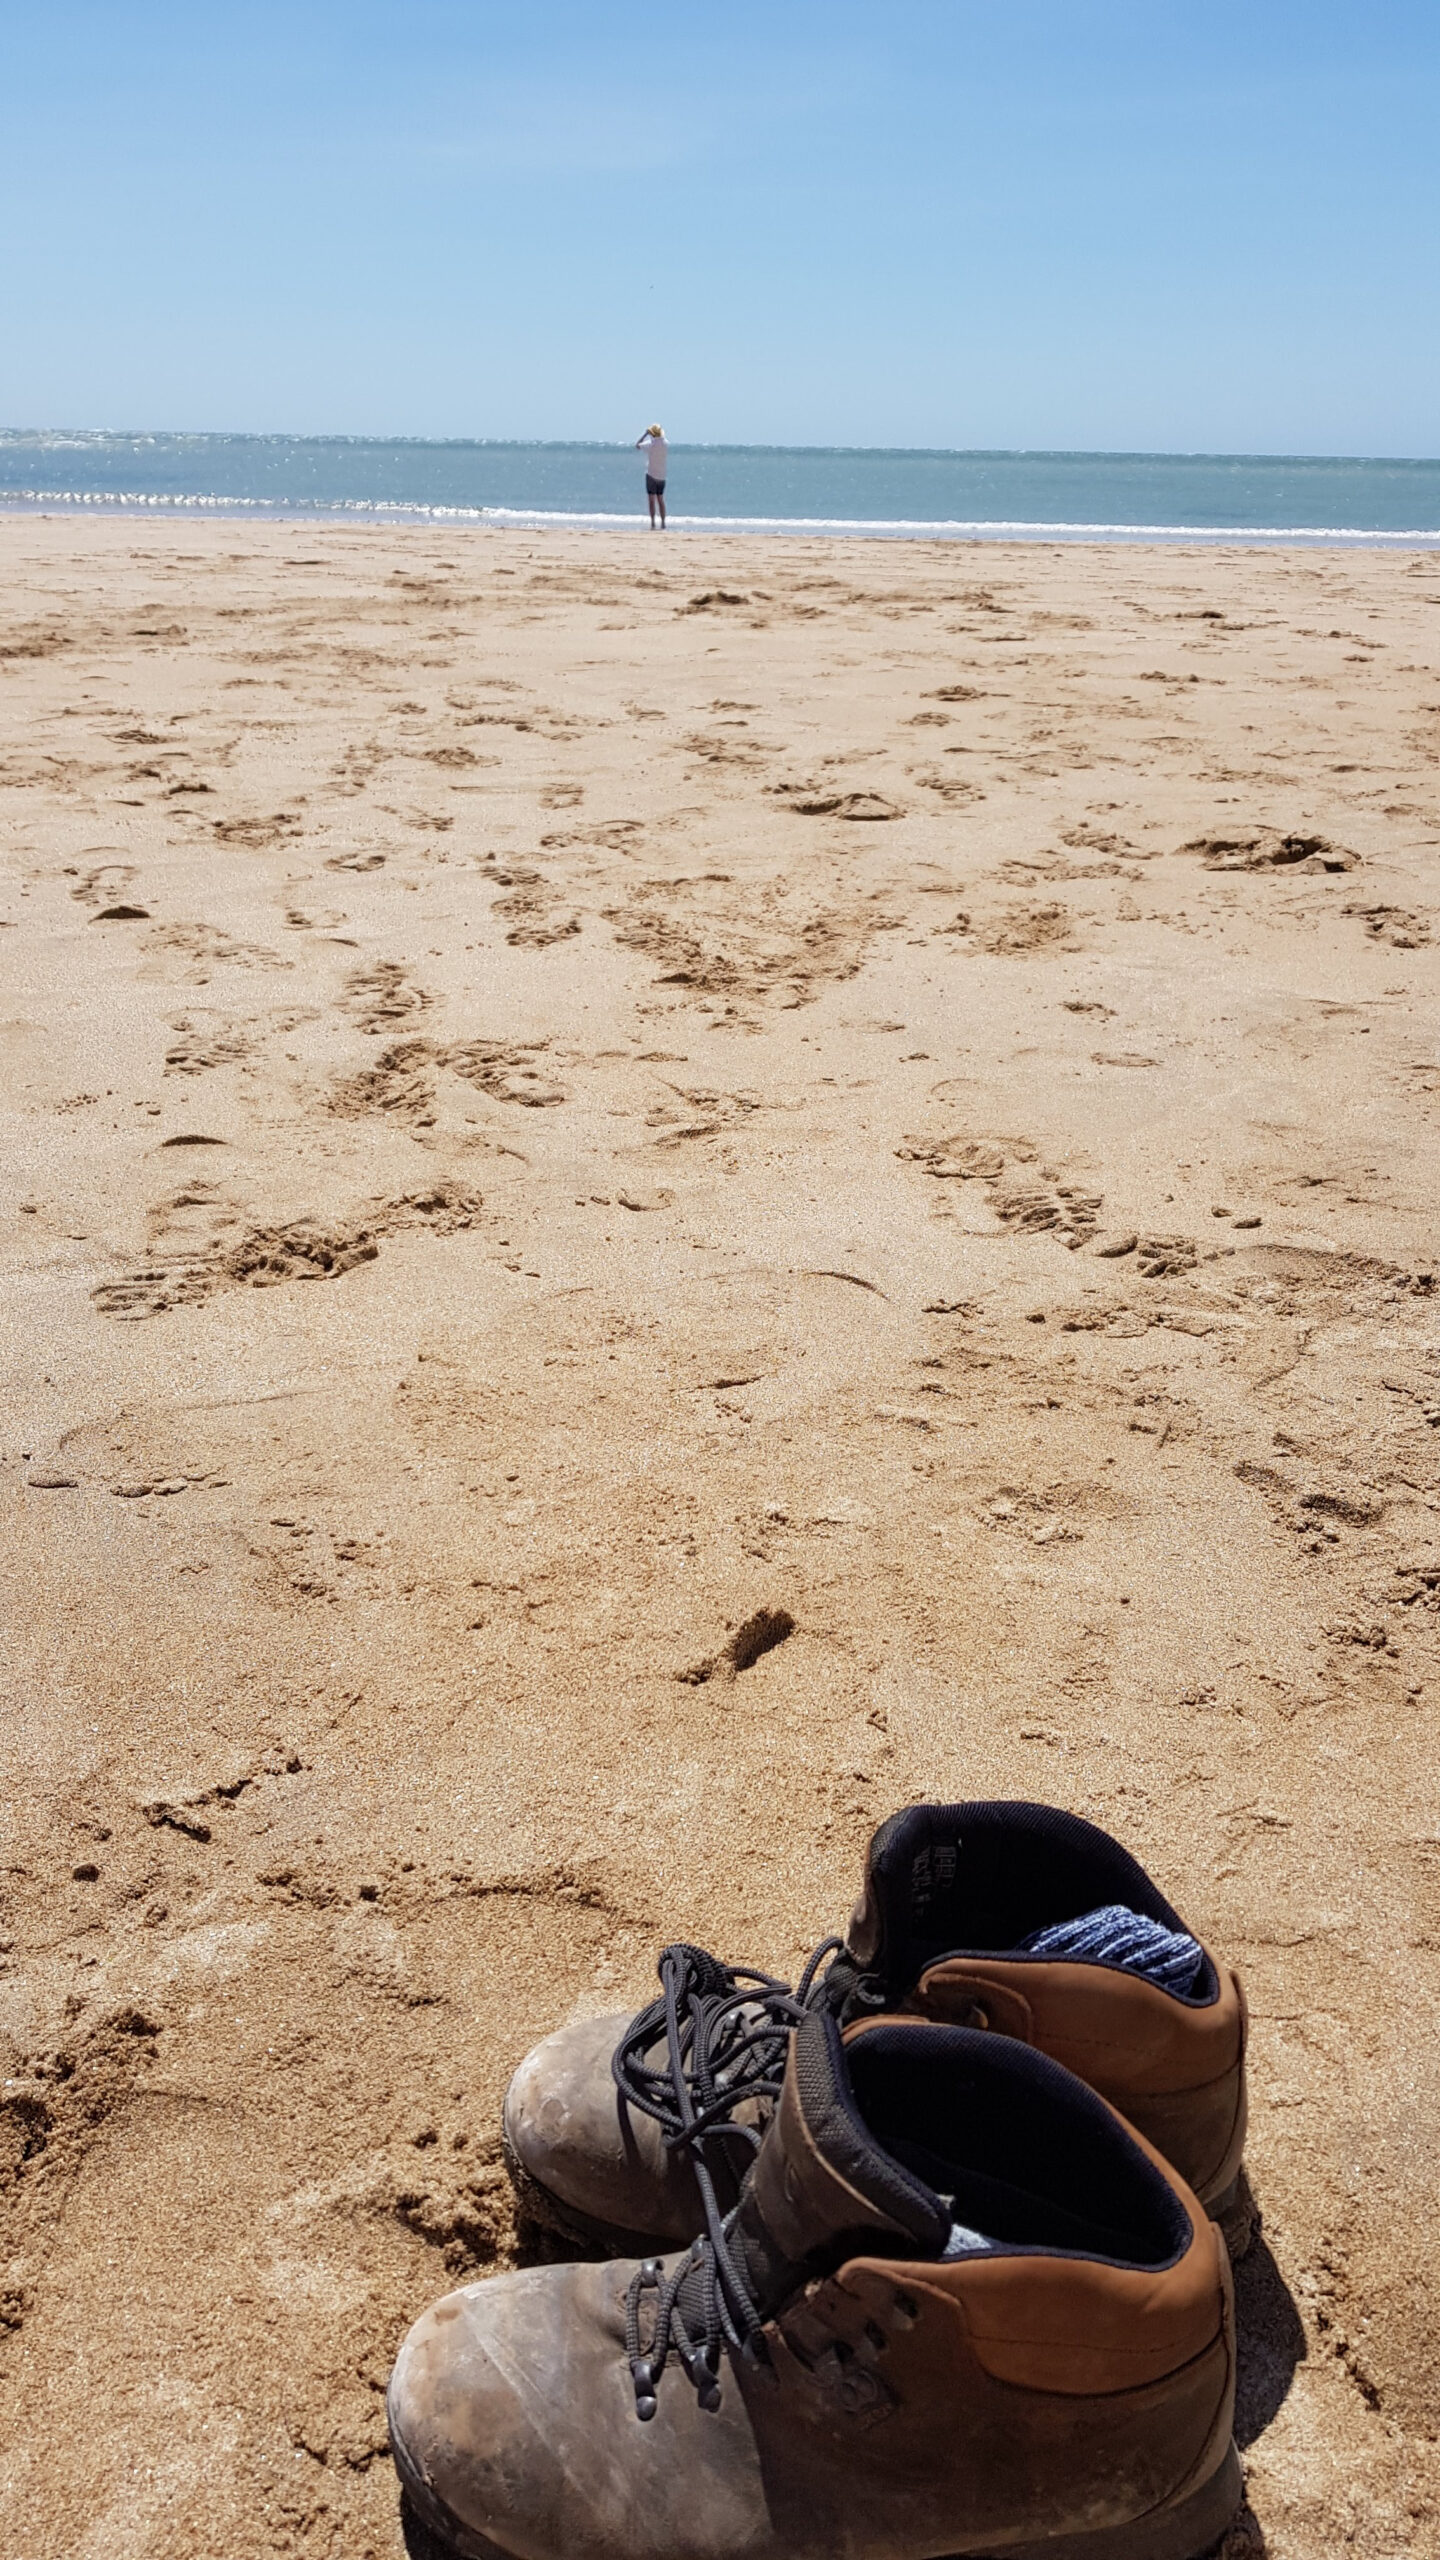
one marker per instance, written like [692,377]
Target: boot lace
[727,2030]
[703,2300]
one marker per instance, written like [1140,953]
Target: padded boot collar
[977,1877]
[822,2187]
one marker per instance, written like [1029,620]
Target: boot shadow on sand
[1270,2343]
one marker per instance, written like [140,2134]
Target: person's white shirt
[656,452]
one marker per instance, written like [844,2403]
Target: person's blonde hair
[654,431]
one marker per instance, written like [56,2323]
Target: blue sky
[1063,223]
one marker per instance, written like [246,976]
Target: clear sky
[1064,223]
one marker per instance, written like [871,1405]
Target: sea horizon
[895,492]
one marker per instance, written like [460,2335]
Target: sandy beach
[579,1107]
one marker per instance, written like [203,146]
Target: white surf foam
[908,528]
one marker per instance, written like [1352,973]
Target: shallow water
[747,488]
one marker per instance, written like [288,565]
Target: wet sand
[564,1093]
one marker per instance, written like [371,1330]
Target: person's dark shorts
[654,488]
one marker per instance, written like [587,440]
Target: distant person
[657,453]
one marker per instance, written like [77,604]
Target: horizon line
[605,444]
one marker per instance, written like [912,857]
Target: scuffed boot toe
[469,2437]
[582,2161]
[513,2423]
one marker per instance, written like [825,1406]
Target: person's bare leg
[652,512]
[662,512]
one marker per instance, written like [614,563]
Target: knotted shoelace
[727,2030]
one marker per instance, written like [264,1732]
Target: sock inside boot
[965,2243]
[1115,1935]
[996,1878]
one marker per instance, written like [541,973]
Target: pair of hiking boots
[917,2258]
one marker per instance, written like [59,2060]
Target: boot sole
[1191,2530]
[538,2204]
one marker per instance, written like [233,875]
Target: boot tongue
[822,2188]
[910,1872]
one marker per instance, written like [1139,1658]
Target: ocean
[1050,497]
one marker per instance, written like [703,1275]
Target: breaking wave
[895,528]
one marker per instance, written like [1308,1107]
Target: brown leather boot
[613,2129]
[959,2308]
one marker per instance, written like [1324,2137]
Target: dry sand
[561,1093]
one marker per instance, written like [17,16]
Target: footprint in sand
[196,1251]
[104,887]
[1266,849]
[206,947]
[256,833]
[1166,1257]
[757,1635]
[197,1046]
[1395,925]
[507,1072]
[1018,931]
[400,1082]
[861,807]
[1027,1196]
[382,995]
